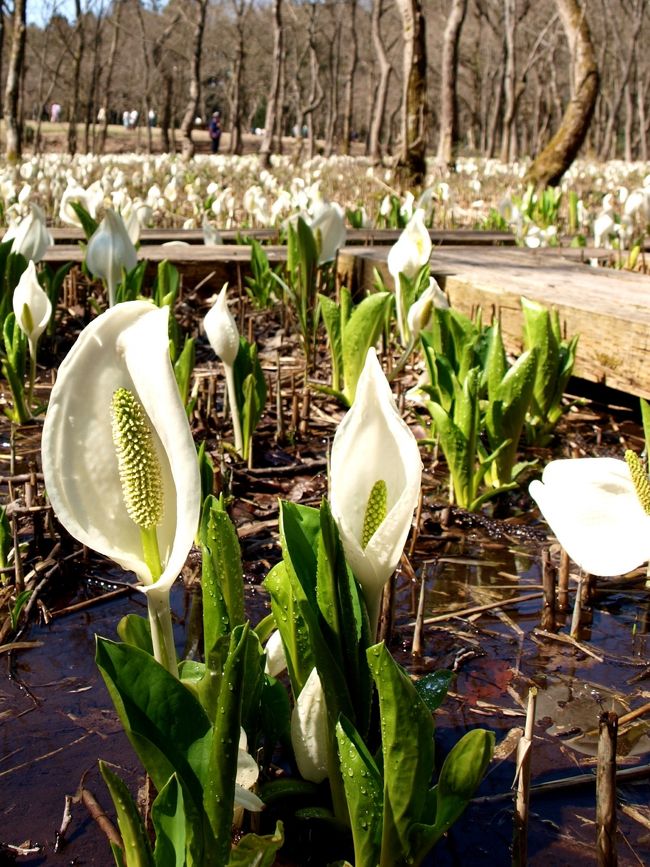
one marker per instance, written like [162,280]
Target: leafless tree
[13,122]
[412,158]
[187,123]
[448,112]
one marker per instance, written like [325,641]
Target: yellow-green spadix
[374,444]
[126,347]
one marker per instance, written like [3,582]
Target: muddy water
[56,718]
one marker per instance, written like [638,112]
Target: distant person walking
[215,132]
[55,112]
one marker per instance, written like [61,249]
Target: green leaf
[132,829]
[223,572]
[184,367]
[645,417]
[168,280]
[292,627]
[360,333]
[460,776]
[433,687]
[254,851]
[331,313]
[408,755]
[169,821]
[164,722]
[135,630]
[364,794]
[219,790]
[89,224]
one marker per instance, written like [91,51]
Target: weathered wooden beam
[608,308]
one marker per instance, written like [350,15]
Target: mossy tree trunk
[557,156]
[411,163]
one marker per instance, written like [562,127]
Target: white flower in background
[32,307]
[222,333]
[406,208]
[211,236]
[276,661]
[598,514]
[110,251]
[30,237]
[90,199]
[309,730]
[375,476]
[411,251]
[419,315]
[604,228]
[328,226]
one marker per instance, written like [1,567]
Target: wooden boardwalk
[608,308]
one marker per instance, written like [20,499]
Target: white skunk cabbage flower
[309,730]
[599,510]
[411,251]
[90,199]
[110,250]
[276,661]
[221,329]
[420,311]
[32,307]
[247,775]
[328,226]
[375,476]
[30,236]
[222,332]
[211,236]
[118,457]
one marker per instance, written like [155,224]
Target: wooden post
[524,752]
[563,583]
[548,583]
[606,790]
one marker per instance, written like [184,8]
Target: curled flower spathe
[592,507]
[309,730]
[221,329]
[30,237]
[328,226]
[125,348]
[31,306]
[374,448]
[419,314]
[110,252]
[411,250]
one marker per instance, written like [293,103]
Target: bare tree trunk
[348,94]
[448,106]
[557,156]
[333,94]
[241,8]
[411,163]
[640,102]
[108,81]
[187,124]
[13,122]
[385,70]
[77,57]
[146,88]
[509,80]
[91,108]
[273,107]
[166,114]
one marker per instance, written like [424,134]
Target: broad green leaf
[167,284]
[222,557]
[254,851]
[364,794]
[360,333]
[166,725]
[136,845]
[645,417]
[184,367]
[89,224]
[292,626]
[538,332]
[169,822]
[408,754]
[275,712]
[299,528]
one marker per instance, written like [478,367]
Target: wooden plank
[609,309]
[369,237]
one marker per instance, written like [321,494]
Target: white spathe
[30,236]
[276,661]
[309,730]
[110,251]
[29,294]
[592,507]
[221,329]
[328,224]
[128,347]
[419,315]
[412,249]
[247,775]
[374,443]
